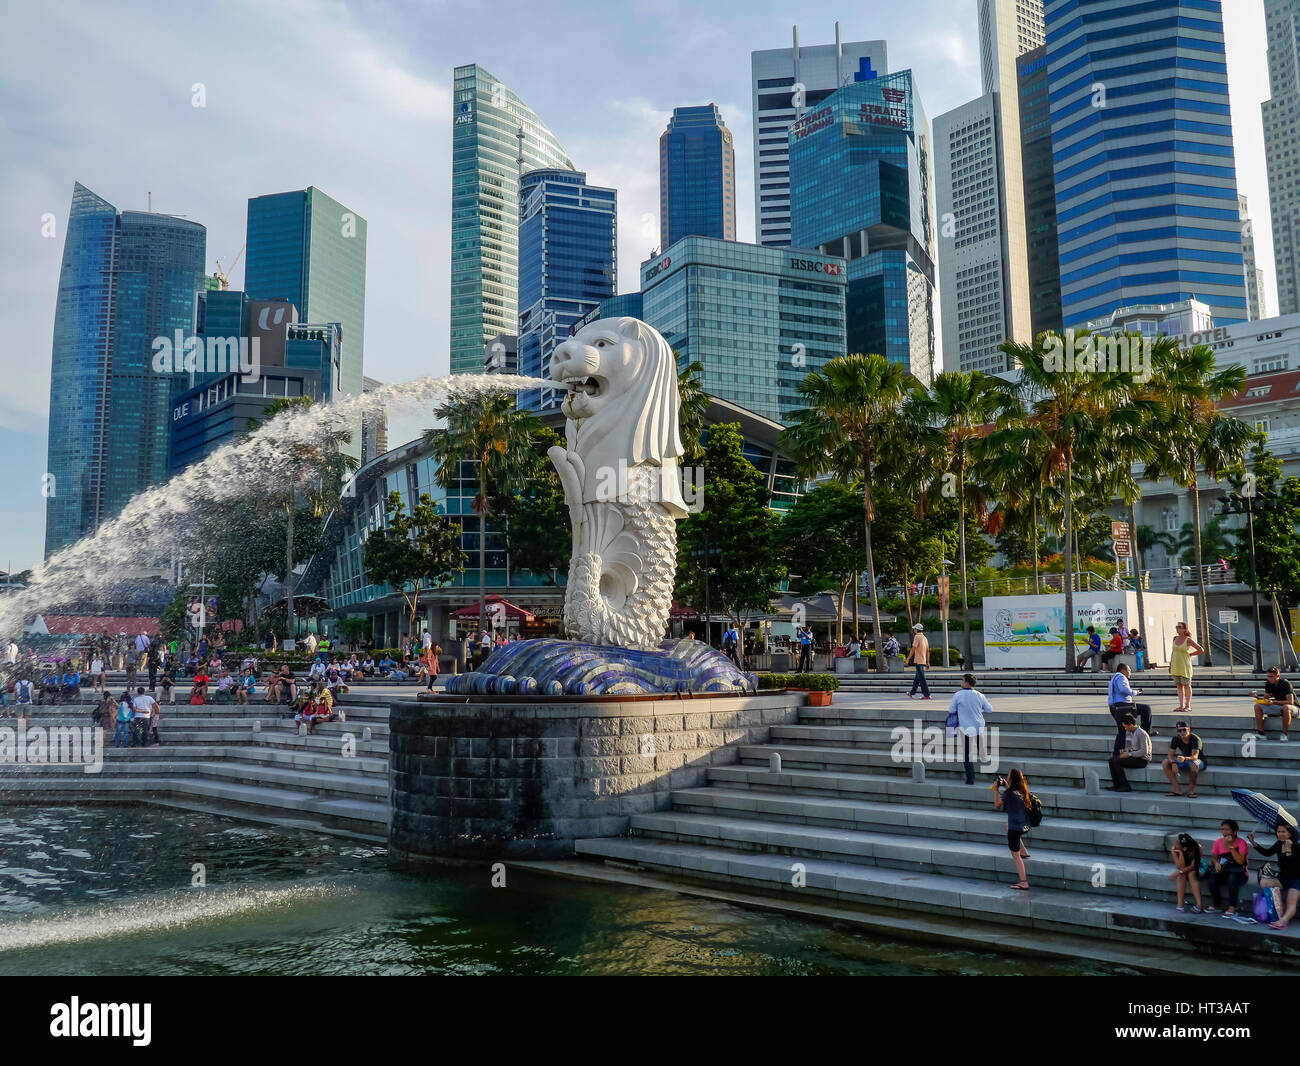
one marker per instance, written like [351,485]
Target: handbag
[1266,906]
[952,723]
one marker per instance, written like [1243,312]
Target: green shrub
[802,682]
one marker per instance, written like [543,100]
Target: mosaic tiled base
[550,667]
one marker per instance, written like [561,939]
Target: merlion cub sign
[621,480]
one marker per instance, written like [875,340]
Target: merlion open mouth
[587,386]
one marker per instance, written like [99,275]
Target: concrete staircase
[848,818]
[238,761]
[1153,683]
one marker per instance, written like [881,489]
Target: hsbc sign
[816,266]
[659,267]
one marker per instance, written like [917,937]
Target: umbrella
[1265,810]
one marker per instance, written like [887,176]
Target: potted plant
[818,686]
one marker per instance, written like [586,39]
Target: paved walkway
[1234,706]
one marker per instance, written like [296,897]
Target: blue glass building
[757,319]
[1146,185]
[309,249]
[126,279]
[568,237]
[697,177]
[861,189]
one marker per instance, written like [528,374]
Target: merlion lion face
[622,382]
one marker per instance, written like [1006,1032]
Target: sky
[355,98]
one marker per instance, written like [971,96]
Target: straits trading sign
[811,123]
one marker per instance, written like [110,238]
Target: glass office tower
[860,189]
[697,177]
[1146,182]
[758,319]
[307,248]
[1039,183]
[126,279]
[495,137]
[568,238]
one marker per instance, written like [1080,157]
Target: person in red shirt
[1113,648]
[199,693]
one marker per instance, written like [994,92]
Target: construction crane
[223,276]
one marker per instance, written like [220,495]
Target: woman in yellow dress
[1180,665]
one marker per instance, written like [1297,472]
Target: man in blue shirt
[1093,651]
[805,649]
[1121,699]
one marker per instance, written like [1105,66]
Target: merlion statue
[621,481]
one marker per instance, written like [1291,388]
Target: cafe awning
[496,607]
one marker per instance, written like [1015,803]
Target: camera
[1001,782]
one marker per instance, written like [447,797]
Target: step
[975,900]
[1130,839]
[948,856]
[1040,771]
[315,782]
[351,813]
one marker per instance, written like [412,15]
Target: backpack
[1034,811]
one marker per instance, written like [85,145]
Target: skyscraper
[1040,194]
[495,137]
[861,190]
[1255,304]
[1281,135]
[979,185]
[568,238]
[1146,186]
[697,177]
[307,248]
[127,278]
[786,84]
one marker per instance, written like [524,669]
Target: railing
[1222,641]
[1162,579]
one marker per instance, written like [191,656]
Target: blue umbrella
[1265,811]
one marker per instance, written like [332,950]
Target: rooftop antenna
[151,203]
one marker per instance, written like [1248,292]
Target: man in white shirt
[1137,754]
[970,706]
[11,653]
[142,707]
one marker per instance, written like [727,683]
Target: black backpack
[1034,811]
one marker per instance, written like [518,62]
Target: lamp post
[943,611]
[1247,503]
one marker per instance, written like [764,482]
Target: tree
[1194,436]
[958,407]
[354,630]
[488,431]
[820,542]
[731,542]
[538,517]
[413,550]
[1277,528]
[855,429]
[692,405]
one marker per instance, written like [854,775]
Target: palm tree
[1070,410]
[1193,435]
[1216,541]
[855,428]
[488,430]
[1015,475]
[693,403]
[956,410]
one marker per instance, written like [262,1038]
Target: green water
[108,890]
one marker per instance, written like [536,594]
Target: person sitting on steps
[1136,755]
[1120,699]
[1278,699]
[1187,869]
[1185,753]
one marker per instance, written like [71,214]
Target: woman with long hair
[1187,869]
[1181,651]
[1015,801]
[1287,850]
[1231,860]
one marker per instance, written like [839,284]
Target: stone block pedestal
[519,777]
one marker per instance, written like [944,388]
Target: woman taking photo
[1015,801]
[1180,665]
[1287,850]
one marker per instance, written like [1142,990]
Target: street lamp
[1247,503]
[943,613]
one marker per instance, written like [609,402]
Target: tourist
[1278,700]
[11,653]
[310,644]
[1137,646]
[152,662]
[1093,650]
[168,680]
[199,688]
[919,656]
[125,712]
[49,687]
[855,647]
[141,643]
[1187,870]
[1231,867]
[192,665]
[142,714]
[249,684]
[1120,699]
[226,683]
[969,706]
[24,690]
[484,645]
[70,684]
[103,714]
[805,650]
[287,685]
[1114,647]
[368,665]
[729,642]
[317,670]
[1180,665]
[431,653]
[1184,754]
[97,673]
[1287,850]
[1015,801]
[385,665]
[334,680]
[155,719]
[891,645]
[132,669]
[1136,754]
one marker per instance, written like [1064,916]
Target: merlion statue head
[622,403]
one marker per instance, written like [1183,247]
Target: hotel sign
[1207,336]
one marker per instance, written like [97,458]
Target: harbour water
[106,890]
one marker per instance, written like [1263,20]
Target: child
[1187,868]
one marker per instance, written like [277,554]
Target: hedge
[807,682]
